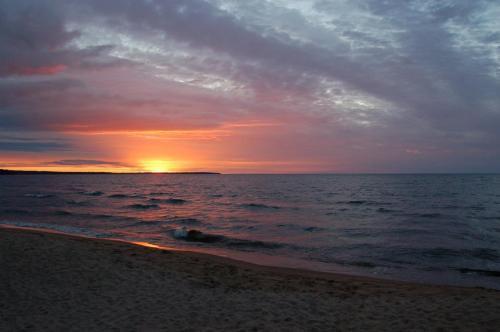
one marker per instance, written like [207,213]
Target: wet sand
[54,282]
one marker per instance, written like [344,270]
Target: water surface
[430,228]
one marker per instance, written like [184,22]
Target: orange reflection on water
[155,246]
[149,245]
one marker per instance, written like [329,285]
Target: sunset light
[156,166]
[322,143]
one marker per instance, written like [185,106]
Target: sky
[267,86]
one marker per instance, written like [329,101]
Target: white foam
[181,233]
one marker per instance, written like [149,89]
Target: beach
[55,282]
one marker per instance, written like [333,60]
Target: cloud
[34,40]
[423,72]
[364,80]
[69,105]
[30,145]
[84,162]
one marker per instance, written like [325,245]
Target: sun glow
[156,166]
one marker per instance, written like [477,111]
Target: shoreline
[243,263]
[236,262]
[291,265]
[51,280]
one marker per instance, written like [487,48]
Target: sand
[54,282]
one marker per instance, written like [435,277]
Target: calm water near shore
[430,228]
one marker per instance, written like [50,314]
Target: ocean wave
[336,212]
[168,222]
[103,216]
[475,207]
[92,193]
[459,207]
[489,218]
[478,253]
[357,232]
[16,211]
[124,196]
[143,206]
[376,203]
[88,215]
[62,213]
[39,195]
[310,229]
[430,215]
[78,203]
[313,229]
[160,193]
[450,207]
[259,206]
[168,200]
[187,221]
[360,264]
[119,196]
[488,273]
[347,262]
[364,202]
[194,235]
[404,255]
[241,243]
[384,210]
[243,227]
[354,202]
[145,223]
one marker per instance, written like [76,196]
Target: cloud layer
[319,85]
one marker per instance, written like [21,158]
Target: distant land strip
[16,172]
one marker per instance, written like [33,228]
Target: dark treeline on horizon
[17,172]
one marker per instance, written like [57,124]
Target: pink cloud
[41,70]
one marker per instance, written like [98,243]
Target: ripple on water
[39,195]
[92,193]
[143,206]
[173,201]
[257,206]
[119,196]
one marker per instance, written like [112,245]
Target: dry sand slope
[53,282]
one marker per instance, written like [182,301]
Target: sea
[429,228]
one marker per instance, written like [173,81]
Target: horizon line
[4,171]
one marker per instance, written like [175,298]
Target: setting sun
[155,166]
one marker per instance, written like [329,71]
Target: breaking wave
[194,235]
